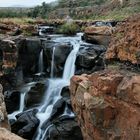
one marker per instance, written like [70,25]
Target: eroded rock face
[98,34]
[8,56]
[125,41]
[3,113]
[107,105]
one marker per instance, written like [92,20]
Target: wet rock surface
[60,125]
[26,124]
[106,104]
[65,93]
[9,56]
[12,100]
[61,51]
[35,96]
[89,59]
[7,135]
[65,130]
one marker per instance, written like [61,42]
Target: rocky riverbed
[101,101]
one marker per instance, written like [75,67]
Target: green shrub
[68,29]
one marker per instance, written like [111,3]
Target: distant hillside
[14,12]
[77,9]
[95,9]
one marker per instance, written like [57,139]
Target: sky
[7,3]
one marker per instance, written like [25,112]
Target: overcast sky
[7,3]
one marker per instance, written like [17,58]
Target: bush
[68,29]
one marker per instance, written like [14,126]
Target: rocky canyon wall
[107,103]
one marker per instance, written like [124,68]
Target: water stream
[52,63]
[53,93]
[55,86]
[41,63]
[24,91]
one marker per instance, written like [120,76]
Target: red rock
[9,52]
[100,35]
[3,113]
[107,105]
[125,41]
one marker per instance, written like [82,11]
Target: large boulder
[26,124]
[66,130]
[107,104]
[90,59]
[98,34]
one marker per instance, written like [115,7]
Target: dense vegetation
[50,10]
[44,10]
[14,12]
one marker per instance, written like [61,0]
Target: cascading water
[22,99]
[53,93]
[54,88]
[52,63]
[69,68]
[40,62]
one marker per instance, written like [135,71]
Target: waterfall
[53,93]
[69,68]
[40,62]
[52,63]
[22,99]
[54,88]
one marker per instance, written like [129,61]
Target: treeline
[41,11]
[44,10]
[14,12]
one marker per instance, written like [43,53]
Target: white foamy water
[25,90]
[54,87]
[41,63]
[53,93]
[52,63]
